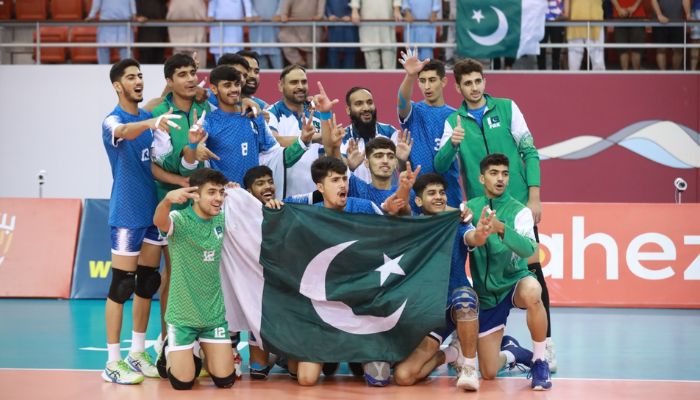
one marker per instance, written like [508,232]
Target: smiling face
[253,81]
[294,87]
[361,107]
[184,82]
[495,180]
[381,163]
[433,199]
[130,85]
[472,87]
[263,189]
[211,198]
[228,92]
[334,188]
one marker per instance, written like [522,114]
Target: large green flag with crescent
[499,28]
[332,286]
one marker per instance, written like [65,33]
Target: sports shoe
[523,357]
[377,373]
[356,369]
[258,372]
[119,372]
[143,363]
[237,364]
[550,355]
[457,364]
[539,372]
[468,379]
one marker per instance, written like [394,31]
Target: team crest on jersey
[317,124]
[219,232]
[209,255]
[494,122]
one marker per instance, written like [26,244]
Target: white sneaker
[457,364]
[550,355]
[119,372]
[142,362]
[468,379]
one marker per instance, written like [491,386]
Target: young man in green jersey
[502,279]
[195,308]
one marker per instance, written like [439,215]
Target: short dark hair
[431,178]
[379,142]
[435,65]
[117,71]
[250,54]
[255,173]
[203,176]
[224,73]
[176,61]
[324,166]
[233,59]
[353,90]
[290,68]
[466,67]
[493,159]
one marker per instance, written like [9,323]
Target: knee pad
[377,373]
[178,384]
[122,286]
[225,382]
[147,281]
[465,304]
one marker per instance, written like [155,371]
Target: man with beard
[287,118]
[360,106]
[253,81]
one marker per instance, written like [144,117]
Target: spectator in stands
[377,57]
[694,34]
[300,10]
[339,10]
[422,10]
[227,9]
[152,9]
[266,10]
[585,10]
[451,35]
[552,34]
[112,10]
[188,10]
[629,10]
[670,11]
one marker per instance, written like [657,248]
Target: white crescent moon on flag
[496,36]
[336,313]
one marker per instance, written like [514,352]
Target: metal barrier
[315,44]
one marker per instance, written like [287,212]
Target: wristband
[192,146]
[325,115]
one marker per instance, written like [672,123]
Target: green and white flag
[319,285]
[500,28]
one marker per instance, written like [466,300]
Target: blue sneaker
[539,372]
[523,357]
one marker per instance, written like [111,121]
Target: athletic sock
[138,342]
[451,354]
[510,358]
[469,362]
[538,350]
[113,353]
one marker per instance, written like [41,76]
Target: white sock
[538,350]
[471,362]
[113,353]
[510,358]
[451,354]
[138,342]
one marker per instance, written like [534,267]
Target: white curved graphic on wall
[664,142]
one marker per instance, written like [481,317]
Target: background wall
[51,118]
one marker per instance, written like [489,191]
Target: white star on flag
[390,267]
[477,15]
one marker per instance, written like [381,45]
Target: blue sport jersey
[238,141]
[460,251]
[426,124]
[359,206]
[363,190]
[382,129]
[133,200]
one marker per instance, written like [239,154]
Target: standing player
[502,279]
[196,305]
[462,310]
[253,82]
[485,125]
[127,137]
[426,119]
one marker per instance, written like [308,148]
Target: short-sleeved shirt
[426,124]
[382,129]
[196,299]
[363,190]
[359,206]
[133,200]
[238,141]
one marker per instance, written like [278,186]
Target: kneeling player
[195,308]
[462,303]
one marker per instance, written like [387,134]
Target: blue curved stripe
[652,151]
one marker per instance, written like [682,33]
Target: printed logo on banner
[7,229]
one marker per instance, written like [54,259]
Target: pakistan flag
[499,28]
[333,286]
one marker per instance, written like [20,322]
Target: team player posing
[501,239]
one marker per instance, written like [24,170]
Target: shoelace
[535,370]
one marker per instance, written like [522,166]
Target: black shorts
[633,34]
[666,34]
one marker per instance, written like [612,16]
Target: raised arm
[413,66]
[161,218]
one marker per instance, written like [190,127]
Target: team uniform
[241,141]
[133,199]
[363,190]
[195,304]
[382,129]
[285,122]
[426,124]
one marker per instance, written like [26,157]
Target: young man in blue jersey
[127,137]
[462,308]
[426,119]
